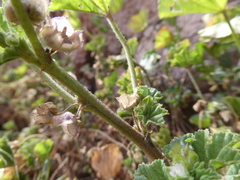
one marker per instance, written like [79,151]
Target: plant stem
[126,48]
[86,97]
[55,86]
[234,36]
[195,83]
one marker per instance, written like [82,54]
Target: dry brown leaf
[107,161]
[226,115]
[128,101]
[199,105]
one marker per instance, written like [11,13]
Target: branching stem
[126,48]
[85,97]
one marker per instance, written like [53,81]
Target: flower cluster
[57,33]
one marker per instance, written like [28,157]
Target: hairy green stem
[234,35]
[126,48]
[195,83]
[55,86]
[86,97]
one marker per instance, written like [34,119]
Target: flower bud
[36,10]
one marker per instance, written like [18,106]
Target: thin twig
[58,169]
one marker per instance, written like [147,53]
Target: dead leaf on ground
[107,161]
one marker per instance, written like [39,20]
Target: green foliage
[149,110]
[6,154]
[108,85]
[9,125]
[197,156]
[100,7]
[182,56]
[116,5]
[97,44]
[203,121]
[161,138]
[164,37]
[133,43]
[124,83]
[151,172]
[173,8]
[139,21]
[233,103]
[98,21]
[43,149]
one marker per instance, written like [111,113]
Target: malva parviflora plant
[192,156]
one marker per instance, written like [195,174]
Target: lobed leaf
[99,7]
[171,8]
[144,91]
[149,112]
[151,172]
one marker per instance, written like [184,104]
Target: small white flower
[59,35]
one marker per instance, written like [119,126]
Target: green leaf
[100,7]
[124,84]
[183,155]
[133,43]
[6,154]
[144,91]
[199,172]
[149,112]
[152,171]
[9,54]
[182,56]
[202,138]
[43,149]
[110,81]
[171,8]
[163,38]
[125,113]
[204,122]
[27,150]
[3,22]
[177,140]
[9,125]
[139,22]
[96,44]
[2,40]
[116,6]
[233,103]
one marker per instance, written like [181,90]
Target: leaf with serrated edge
[173,8]
[151,172]
[99,7]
